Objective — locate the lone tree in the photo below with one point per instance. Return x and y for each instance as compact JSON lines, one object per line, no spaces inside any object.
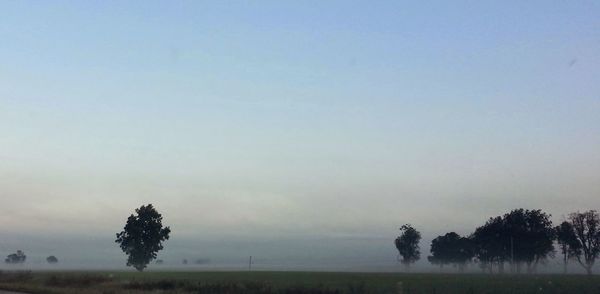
{"x":142,"y":236}
{"x":408,"y":245}
{"x":16,"y":258}
{"x":567,"y":241}
{"x":52,"y":259}
{"x":586,"y":226}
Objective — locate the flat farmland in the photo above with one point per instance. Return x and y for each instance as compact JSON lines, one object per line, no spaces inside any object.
{"x":105,"y":282}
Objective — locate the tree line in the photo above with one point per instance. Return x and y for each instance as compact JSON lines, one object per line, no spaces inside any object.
{"x":520,"y":239}
{"x":19,"y":257}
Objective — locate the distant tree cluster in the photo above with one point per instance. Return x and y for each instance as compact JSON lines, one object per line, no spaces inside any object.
{"x":19,"y":258}
{"x":16,"y":258}
{"x":451,"y":249}
{"x":521,"y":239}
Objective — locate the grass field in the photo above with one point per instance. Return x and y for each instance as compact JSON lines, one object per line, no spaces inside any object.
{"x":290,"y":283}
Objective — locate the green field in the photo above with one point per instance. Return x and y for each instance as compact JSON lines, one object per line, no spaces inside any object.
{"x":291,"y":282}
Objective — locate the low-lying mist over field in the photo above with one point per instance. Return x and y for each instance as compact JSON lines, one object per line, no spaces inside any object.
{"x":268,"y":253}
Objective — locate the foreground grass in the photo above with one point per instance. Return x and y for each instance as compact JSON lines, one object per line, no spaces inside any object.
{"x":290,"y":283}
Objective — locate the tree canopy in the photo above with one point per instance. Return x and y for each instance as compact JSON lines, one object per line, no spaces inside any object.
{"x":451,"y":248}
{"x":520,"y":236}
{"x":489,"y":249}
{"x":143,"y":236}
{"x":567,"y":241}
{"x":51,"y":259}
{"x":408,"y":245}
{"x":16,"y":258}
{"x":586,"y":228}
{"x":529,"y":236}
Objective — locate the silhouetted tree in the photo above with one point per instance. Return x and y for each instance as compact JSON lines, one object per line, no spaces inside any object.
{"x":586,"y":226}
{"x":184,"y":261}
{"x":520,"y":236}
{"x":488,"y":245}
{"x":16,"y":258}
{"x":441,"y":249}
{"x":52,"y":259}
{"x":529,"y":237}
{"x":142,"y":236}
{"x":567,"y":241}
{"x":408,"y":245}
{"x":451,"y":248}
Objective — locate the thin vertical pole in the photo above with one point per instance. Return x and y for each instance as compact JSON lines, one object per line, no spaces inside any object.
{"x":250,"y":263}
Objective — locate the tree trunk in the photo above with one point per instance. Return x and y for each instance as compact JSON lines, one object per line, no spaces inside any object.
{"x":586,"y":265}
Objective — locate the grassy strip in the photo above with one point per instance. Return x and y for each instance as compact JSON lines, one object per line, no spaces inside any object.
{"x":291,"y":283}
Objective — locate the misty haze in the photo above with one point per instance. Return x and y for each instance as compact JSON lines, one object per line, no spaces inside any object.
{"x":299,"y":147}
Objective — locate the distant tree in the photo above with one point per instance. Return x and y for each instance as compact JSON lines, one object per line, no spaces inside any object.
{"x":441,"y":248}
{"x":586,"y":226}
{"x":520,"y":236}
{"x":528,"y":236}
{"x":489,"y":247}
{"x":159,"y":261}
{"x":567,"y":241}
{"x":453,"y":249}
{"x":142,"y":237}
{"x":16,"y":258}
{"x":52,"y":259}
{"x":408,"y":245}
{"x":184,"y":261}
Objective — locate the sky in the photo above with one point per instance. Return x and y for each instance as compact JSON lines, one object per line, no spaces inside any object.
{"x":291,"y":130}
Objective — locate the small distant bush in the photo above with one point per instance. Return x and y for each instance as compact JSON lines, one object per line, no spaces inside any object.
{"x":52,"y":259}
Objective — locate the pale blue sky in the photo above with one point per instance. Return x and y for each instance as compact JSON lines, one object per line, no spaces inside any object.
{"x":295,"y":119}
